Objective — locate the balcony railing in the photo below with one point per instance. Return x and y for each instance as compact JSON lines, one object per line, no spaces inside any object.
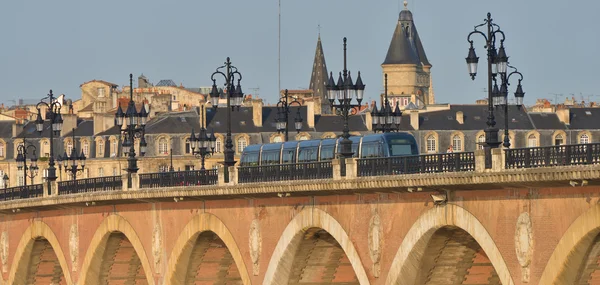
{"x":179,"y":178}
{"x":284,"y":172}
{"x":107,"y":183}
{"x":428,"y":163}
{"x":22,"y":192}
{"x":548,"y":156}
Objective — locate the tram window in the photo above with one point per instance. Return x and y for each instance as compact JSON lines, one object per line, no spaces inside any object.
{"x":327,"y":152}
{"x":400,"y":149}
{"x":270,"y":157}
{"x":307,"y":155}
{"x":250,"y":159}
{"x":371,"y":150}
{"x":289,"y":156}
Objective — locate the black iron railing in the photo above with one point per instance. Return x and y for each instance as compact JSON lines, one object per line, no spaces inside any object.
{"x":22,"y":192}
{"x":576,"y":154}
{"x":98,"y":184}
{"x":428,"y":163}
{"x":281,"y":172}
{"x":179,"y":178}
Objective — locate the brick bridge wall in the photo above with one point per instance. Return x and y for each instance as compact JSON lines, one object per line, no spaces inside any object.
{"x":546,"y":235}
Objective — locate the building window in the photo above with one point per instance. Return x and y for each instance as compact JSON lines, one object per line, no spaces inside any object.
{"x":163,"y":168}
{"x":2,"y":150}
{"x":277,"y":139}
{"x":584,"y":138}
{"x":457,"y":143}
{"x":302,"y":138}
{"x":113,"y":148}
{"x":46,"y":149}
{"x":404,"y":101}
{"x":559,"y":140}
{"x":241,"y":144}
{"x":163,"y":147}
{"x":188,"y":146}
{"x":100,"y":172}
{"x":532,"y":141}
{"x":100,"y":92}
{"x":480,"y":141}
{"x":114,"y":171}
{"x":100,"y":148}
{"x":431,"y":143}
{"x":2,"y":180}
{"x":69,"y":147}
{"x":86,"y":148}
{"x":218,"y":145}
{"x":21,"y":180}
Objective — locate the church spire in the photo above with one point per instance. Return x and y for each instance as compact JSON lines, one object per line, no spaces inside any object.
{"x":318,"y":79}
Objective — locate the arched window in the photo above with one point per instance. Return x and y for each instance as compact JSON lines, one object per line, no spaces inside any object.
{"x":219,"y":145}
{"x":113,"y":148}
{"x":46,"y":149}
{"x":100,"y":148}
{"x":2,"y":180}
{"x":69,"y":147}
{"x":457,"y":143}
{"x":559,"y":140}
{"x":2,"y":151}
{"x":532,"y":141}
{"x":163,"y":147}
{"x":86,"y":148}
{"x":241,"y":144}
{"x":480,"y":141}
{"x":277,"y":139}
{"x":302,"y":138}
{"x":431,"y":143}
{"x":584,"y":138}
{"x":188,"y":146}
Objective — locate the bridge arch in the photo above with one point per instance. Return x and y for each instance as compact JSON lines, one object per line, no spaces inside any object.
{"x":282,"y":258}
{"x":569,"y":254}
{"x":180,"y":254}
{"x":38,"y":229}
{"x":408,"y":258}
{"x":113,"y":224}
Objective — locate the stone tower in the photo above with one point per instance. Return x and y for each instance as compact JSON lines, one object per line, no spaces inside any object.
{"x":409,"y":71}
{"x":318,"y":79}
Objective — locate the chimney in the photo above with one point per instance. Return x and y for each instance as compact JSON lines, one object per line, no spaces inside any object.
{"x":310,"y":114}
{"x":414,"y":119}
{"x":460,"y":118}
{"x":103,"y":122}
{"x":69,"y":123}
{"x":17,"y":128}
{"x":369,"y":121}
{"x":257,"y":106}
{"x":564,"y":115}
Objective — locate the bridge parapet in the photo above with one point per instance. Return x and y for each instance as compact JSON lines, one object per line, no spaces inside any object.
{"x":430,"y":172}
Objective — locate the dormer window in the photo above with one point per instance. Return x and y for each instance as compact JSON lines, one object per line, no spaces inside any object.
{"x":101,"y":92}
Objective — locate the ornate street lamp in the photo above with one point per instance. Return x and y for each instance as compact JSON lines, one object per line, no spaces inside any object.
{"x":345,"y":91}
{"x":283,"y":109}
{"x":72,"y":162}
{"x":502,"y":99}
{"x":497,"y":63}
{"x":235,"y":96}
{"x":30,"y":170}
{"x":385,"y":120}
{"x":53,"y":115}
{"x":203,"y":145}
{"x":135,"y":126}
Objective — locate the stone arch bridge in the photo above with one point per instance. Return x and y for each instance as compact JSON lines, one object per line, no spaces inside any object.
{"x":510,"y":226}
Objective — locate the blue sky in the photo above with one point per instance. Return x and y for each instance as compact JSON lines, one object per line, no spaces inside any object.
{"x":60,"y":44}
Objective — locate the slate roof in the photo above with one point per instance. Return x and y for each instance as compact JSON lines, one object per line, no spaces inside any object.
{"x":6,"y":129}
{"x":546,"y":121}
{"x":270,"y":115}
{"x":174,"y":123}
{"x":334,"y":123}
{"x":241,"y":121}
{"x":474,"y":117}
{"x":84,"y":129}
{"x":318,"y":79}
{"x":584,"y":118}
{"x":406,"y":46}
{"x":29,"y":130}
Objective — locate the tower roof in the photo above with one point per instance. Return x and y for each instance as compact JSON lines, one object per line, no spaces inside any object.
{"x":318,"y":78}
{"x":406,"y":46}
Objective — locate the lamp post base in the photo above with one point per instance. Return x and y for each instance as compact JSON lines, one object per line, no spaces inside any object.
{"x":491,"y":141}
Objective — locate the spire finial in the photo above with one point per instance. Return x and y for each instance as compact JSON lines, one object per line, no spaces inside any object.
{"x":319,"y":30}
{"x":405,"y":5}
